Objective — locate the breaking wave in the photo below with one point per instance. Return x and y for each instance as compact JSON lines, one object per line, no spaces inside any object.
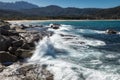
{"x":70,"y":57}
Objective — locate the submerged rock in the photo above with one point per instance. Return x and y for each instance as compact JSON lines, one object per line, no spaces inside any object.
{"x":110,"y":31}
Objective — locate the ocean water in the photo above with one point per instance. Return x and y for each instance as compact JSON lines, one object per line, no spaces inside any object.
{"x":80,"y":50}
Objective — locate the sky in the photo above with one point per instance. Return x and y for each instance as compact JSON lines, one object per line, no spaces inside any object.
{"x":74,"y":3}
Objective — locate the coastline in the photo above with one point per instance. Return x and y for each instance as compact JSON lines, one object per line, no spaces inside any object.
{"x":20,"y":21}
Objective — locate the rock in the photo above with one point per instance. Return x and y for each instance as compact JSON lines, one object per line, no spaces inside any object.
{"x":25,"y":71}
{"x":14,"y":46}
{"x":2,"y":67}
{"x":17,"y":43}
{"x":7,"y":57}
{"x":64,"y":35}
{"x":55,"y":26}
{"x":15,"y":38}
{"x":8,"y":33}
{"x":4,"y":25}
{"x":25,"y":46}
{"x":5,"y":43}
{"x":12,"y":50}
{"x":110,"y":31}
{"x":31,"y":38}
{"x":22,"y":53}
{"x":23,"y":26}
{"x":18,"y":27}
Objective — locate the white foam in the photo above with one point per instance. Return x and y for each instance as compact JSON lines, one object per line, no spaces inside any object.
{"x":64,"y":68}
{"x":89,"y":31}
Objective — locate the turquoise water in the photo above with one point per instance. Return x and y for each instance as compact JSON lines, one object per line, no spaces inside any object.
{"x":96,"y":25}
{"x":85,"y":52}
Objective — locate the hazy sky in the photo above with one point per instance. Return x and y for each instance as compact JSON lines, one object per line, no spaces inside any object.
{"x":74,"y":3}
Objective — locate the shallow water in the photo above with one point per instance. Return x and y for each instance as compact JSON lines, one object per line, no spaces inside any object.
{"x":81,"y":50}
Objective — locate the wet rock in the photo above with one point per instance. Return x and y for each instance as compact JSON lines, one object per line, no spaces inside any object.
{"x":5,"y":43}
{"x":110,"y":31}
{"x":22,"y":53}
{"x":4,"y":25}
{"x":24,"y":71}
{"x":25,"y":46}
{"x":2,"y":67}
{"x":31,"y":38}
{"x":18,"y":27}
{"x":12,"y":50}
{"x":17,"y":43}
{"x":7,"y":57}
{"x":23,"y":26}
{"x":8,"y":33}
{"x":55,"y":26}
{"x":66,"y":35}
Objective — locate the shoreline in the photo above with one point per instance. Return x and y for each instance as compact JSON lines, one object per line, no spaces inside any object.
{"x":56,"y":20}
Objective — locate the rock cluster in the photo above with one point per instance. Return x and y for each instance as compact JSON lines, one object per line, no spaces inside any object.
{"x":25,"y":71}
{"x":16,"y":42}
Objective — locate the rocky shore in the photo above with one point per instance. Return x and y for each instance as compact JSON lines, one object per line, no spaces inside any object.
{"x":17,"y":43}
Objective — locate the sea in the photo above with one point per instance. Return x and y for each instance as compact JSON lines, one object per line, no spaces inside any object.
{"x":80,"y":50}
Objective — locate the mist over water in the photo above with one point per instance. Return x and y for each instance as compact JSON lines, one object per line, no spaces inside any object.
{"x":76,"y":53}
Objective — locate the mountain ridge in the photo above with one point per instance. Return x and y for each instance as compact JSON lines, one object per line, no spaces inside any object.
{"x":17,"y":5}
{"x":56,"y":12}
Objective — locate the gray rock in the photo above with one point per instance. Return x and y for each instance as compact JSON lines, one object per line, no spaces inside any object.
{"x":110,"y":31}
{"x":25,"y":46}
{"x":31,"y":38}
{"x":24,"y":71}
{"x":4,"y":25}
{"x":7,"y":57}
{"x":5,"y":43}
{"x":12,"y":50}
{"x":2,"y":67}
{"x":8,"y":33}
{"x":17,"y":43}
{"x":55,"y":26}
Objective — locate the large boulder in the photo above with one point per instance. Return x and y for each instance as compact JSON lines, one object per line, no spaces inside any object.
{"x":4,"y":25}
{"x":5,"y":43}
{"x":31,"y":38}
{"x":8,"y":33}
{"x":7,"y":57}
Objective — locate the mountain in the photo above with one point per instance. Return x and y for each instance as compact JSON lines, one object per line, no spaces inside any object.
{"x":74,"y":13}
{"x":17,"y":5}
{"x":53,"y":10}
{"x":10,"y":14}
{"x":25,"y":10}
